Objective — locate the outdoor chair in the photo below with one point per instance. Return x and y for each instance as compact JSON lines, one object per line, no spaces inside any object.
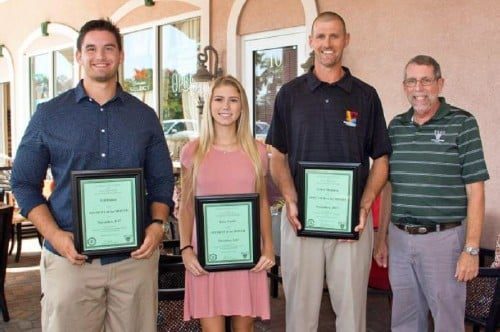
{"x":4,"y":183}
{"x":5,"y":227}
{"x":482,"y":307}
{"x":22,"y":229}
{"x":171,"y":273}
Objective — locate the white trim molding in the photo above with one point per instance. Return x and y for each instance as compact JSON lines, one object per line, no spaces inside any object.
{"x":7,"y":59}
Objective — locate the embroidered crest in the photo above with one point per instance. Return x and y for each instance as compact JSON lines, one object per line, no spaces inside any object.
{"x":437,"y":136}
{"x":351,"y":118}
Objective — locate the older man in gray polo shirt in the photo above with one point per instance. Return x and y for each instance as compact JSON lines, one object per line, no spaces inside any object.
{"x":437,"y":174}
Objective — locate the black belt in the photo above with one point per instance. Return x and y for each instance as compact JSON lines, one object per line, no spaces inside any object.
{"x":424,"y":229}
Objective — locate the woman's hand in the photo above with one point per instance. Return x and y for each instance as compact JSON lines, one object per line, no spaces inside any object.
{"x":191,"y":262}
{"x":266,"y":261}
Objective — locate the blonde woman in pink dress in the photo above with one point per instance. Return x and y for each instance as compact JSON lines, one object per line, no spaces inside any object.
{"x":225,"y":159}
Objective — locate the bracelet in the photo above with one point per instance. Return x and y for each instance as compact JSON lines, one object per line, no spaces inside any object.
{"x":185,"y":247}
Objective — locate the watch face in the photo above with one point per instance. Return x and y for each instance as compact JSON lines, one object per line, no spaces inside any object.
{"x":472,"y":251}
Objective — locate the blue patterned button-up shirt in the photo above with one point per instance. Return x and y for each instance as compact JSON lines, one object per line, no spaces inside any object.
{"x":73,"y":132}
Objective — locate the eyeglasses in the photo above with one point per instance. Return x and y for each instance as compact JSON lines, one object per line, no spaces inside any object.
{"x":425,"y":81}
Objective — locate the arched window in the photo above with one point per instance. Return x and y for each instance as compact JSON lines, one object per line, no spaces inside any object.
{"x":49,"y":57}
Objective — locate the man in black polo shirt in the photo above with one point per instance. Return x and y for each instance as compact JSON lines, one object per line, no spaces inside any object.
{"x":327,"y":115}
{"x":437,"y":177}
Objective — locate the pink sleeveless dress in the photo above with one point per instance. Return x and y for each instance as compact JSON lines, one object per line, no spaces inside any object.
{"x":226,"y":293}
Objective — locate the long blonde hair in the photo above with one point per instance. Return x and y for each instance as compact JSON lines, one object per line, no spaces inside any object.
{"x":243,"y":134}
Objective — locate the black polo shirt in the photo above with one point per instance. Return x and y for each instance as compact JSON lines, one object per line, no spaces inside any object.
{"x":322,"y":122}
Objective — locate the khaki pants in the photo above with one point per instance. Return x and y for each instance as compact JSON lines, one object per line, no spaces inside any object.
{"x":306,"y":261}
{"x":119,"y":296}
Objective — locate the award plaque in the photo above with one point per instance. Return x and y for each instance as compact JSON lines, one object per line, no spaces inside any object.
{"x":228,"y":231}
{"x":108,"y":210}
{"x":328,"y":203}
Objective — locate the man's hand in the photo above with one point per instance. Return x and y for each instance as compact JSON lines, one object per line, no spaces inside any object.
{"x":292,"y":213}
{"x":380,"y":252}
{"x":363,"y":215}
{"x":467,"y":267}
{"x":152,"y":240}
{"x":64,"y":244}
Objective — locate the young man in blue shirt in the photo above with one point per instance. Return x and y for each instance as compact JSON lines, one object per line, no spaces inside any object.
{"x":94,"y":126}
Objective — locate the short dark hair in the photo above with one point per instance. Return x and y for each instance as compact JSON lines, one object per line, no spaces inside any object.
{"x":328,"y":16}
{"x":101,"y":25}
{"x":426,"y":60}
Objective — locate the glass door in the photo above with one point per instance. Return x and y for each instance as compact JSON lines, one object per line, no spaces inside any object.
{"x":270,"y":60}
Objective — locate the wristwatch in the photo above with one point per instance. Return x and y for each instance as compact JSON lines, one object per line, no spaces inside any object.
{"x":158,"y":221}
{"x":163,"y":225}
{"x":471,"y":250}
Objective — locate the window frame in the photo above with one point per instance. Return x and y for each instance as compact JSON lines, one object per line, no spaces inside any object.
{"x":52,"y":67}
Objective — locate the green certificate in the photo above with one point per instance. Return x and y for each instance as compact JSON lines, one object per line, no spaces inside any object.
{"x":108,"y":211}
{"x":328,"y":200}
{"x":328,"y":195}
{"x":228,"y":231}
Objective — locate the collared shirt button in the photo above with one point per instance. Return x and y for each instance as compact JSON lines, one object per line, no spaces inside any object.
{"x":102,"y":109}
{"x":103,"y":155}
{"x":327,"y":101}
{"x":90,"y":99}
{"x":103,"y":130}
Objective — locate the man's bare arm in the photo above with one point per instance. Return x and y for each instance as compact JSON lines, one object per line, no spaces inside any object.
{"x":282,"y":177}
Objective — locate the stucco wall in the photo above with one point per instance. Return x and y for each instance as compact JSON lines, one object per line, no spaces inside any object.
{"x":219,"y":12}
{"x":18,"y":18}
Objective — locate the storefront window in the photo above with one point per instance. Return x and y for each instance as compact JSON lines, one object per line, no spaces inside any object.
{"x":180,"y":42}
{"x":63,"y":66}
{"x":158,"y":66}
{"x":139,"y":48}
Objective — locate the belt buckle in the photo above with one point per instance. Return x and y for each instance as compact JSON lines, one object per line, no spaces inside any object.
{"x":422,"y":230}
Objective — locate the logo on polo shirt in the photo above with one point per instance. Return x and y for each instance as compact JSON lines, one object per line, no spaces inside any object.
{"x":437,"y":136}
{"x":351,"y":118}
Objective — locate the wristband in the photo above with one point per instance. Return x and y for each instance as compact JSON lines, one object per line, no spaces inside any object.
{"x":185,"y":247}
